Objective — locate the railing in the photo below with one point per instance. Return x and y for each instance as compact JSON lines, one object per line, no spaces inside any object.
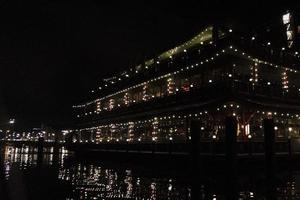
{"x":271,"y":91}
{"x":207,"y":147}
{"x":212,"y":90}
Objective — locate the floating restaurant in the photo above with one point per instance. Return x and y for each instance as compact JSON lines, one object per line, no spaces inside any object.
{"x":220,"y":72}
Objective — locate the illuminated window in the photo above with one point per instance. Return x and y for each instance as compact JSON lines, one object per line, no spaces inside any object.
{"x":286,"y":18}
{"x":289,"y":35}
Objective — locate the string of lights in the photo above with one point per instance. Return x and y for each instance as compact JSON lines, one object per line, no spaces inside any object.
{"x":228,"y":50}
{"x":199,"y":39}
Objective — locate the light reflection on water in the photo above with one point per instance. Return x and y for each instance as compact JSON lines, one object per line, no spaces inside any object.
{"x":93,"y":180}
{"x":27,"y":156}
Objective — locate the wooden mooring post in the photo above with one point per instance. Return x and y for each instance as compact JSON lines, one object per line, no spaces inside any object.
{"x":231,"y":141}
{"x":56,"y":150}
{"x":269,"y":140}
{"x":195,"y":158}
{"x":40,"y":150}
{"x":290,"y":147}
{"x":231,"y":156}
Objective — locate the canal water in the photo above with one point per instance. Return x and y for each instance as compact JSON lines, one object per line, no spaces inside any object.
{"x":26,"y":175}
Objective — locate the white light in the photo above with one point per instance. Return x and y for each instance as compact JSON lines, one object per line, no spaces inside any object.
{"x":230,"y":30}
{"x":290,"y":129}
{"x":269,"y":83}
{"x":253,"y":38}
{"x":286,"y":18}
{"x":249,"y":136}
{"x":210,"y":81}
{"x":11,"y":121}
{"x":275,"y":128}
{"x":282,"y":48}
{"x":269,"y":43}
{"x":214,"y":136}
{"x":171,"y":138}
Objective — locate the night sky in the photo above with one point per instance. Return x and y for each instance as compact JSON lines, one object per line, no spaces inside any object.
{"x":52,"y":54}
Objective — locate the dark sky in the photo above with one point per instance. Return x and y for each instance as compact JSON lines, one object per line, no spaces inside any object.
{"x":52,"y":53}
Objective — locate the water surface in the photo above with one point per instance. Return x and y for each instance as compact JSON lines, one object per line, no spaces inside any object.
{"x":56,"y":175}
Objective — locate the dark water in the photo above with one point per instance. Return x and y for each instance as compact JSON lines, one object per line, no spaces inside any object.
{"x":58,"y":176}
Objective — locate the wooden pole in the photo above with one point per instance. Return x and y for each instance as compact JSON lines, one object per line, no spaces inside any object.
{"x":231,"y":154}
{"x":269,"y":140}
{"x":230,"y":140}
{"x":290,"y":147}
{"x":195,"y":158}
{"x":40,"y":150}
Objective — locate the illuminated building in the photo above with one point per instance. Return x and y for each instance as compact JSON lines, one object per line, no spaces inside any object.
{"x":220,"y":72}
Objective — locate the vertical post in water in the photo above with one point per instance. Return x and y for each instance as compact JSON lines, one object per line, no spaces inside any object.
{"x":269,"y":137}
{"x":250,"y":146}
{"x":195,"y":143}
{"x":56,"y":150}
{"x":127,"y":146}
{"x":230,"y":140}
{"x":195,"y":157}
{"x":170,"y":145}
{"x":231,"y":154}
{"x":290,"y":147}
{"x":40,"y":149}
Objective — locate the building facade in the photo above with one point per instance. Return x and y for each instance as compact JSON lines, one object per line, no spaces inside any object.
{"x":220,"y":72}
